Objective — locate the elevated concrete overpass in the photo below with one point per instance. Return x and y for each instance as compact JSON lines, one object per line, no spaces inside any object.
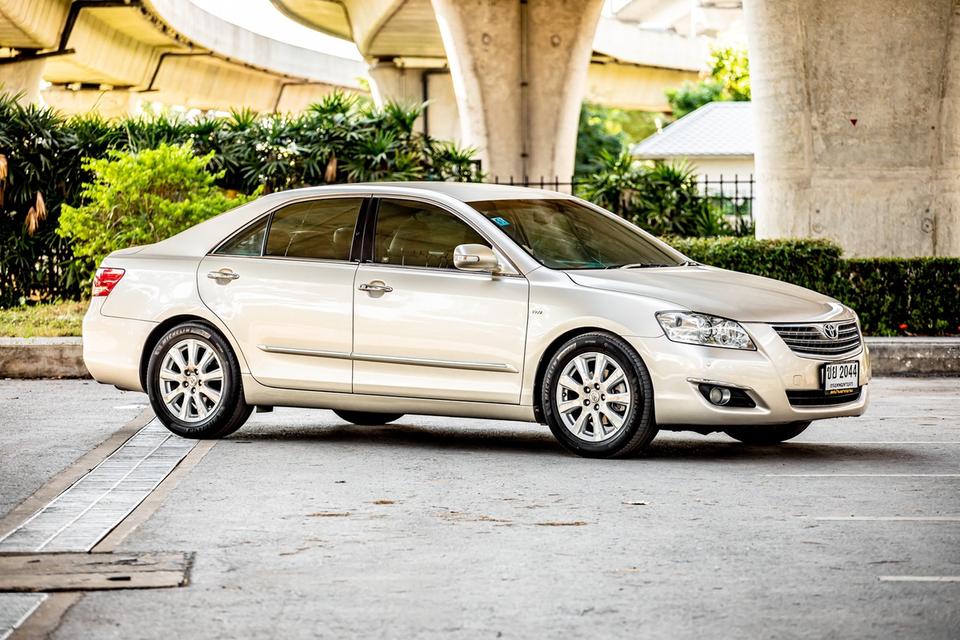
{"x":505,"y":76}
{"x":112,"y":53}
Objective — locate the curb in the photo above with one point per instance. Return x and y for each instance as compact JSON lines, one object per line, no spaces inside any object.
{"x":42,"y":358}
{"x":63,"y":357}
{"x":914,"y":356}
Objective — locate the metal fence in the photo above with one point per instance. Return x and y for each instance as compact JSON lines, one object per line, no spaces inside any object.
{"x":731,"y":195}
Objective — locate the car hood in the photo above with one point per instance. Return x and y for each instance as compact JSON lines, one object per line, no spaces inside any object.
{"x":738,"y":296}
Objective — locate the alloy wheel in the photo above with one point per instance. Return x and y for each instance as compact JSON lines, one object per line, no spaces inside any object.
{"x":593,"y":397}
{"x":191,"y":380}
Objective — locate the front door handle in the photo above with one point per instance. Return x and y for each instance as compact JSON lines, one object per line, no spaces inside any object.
{"x":375,"y":287}
{"x":223,"y":274}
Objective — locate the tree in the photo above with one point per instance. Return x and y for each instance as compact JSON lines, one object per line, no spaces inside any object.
{"x":728,"y":79}
{"x":608,"y":130}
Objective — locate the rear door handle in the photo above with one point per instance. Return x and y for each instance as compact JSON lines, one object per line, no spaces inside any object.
{"x":223,"y":274}
{"x":376,"y":287}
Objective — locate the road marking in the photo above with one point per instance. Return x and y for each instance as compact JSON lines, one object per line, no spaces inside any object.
{"x":861,"y":475}
{"x":15,"y":608}
{"x":883,"y":442}
{"x":919,"y":578}
{"x":890,"y":518}
{"x":81,"y":516}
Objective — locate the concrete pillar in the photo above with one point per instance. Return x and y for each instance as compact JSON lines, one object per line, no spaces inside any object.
{"x":519,"y":73}
{"x":857,"y":123}
{"x":22,"y":77}
{"x":414,"y":85}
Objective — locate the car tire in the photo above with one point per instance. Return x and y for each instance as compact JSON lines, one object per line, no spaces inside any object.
{"x":596,"y":426}
{"x":198,"y":362}
{"x":767,"y":435}
{"x":367,"y":418}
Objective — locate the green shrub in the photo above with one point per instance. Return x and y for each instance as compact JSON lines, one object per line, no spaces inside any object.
{"x":140,"y":198}
{"x":893,"y":296}
{"x":905,"y":295}
{"x":814,"y":264}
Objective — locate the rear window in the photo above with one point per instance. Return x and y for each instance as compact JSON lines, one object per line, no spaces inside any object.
{"x":248,"y":242}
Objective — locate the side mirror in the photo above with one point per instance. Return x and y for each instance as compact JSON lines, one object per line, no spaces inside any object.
{"x":475,"y":257}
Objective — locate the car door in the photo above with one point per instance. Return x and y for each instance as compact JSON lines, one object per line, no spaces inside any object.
{"x":284,"y":288}
{"x":425,"y":329}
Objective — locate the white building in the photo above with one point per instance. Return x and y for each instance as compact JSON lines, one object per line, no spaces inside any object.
{"x":716,"y":139}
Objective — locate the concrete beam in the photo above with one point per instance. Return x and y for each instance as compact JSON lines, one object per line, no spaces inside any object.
{"x":633,"y":87}
{"x":857,"y":120}
{"x":32,"y":24}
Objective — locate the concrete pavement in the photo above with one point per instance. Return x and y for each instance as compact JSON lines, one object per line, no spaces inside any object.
{"x":435,"y":527}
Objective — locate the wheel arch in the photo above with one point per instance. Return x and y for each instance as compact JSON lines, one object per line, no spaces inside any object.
{"x":154,"y":337}
{"x":547,"y":355}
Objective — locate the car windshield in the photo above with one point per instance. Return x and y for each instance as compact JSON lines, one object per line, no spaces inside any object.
{"x":565,"y":234}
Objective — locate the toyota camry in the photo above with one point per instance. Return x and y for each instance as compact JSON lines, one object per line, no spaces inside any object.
{"x":472,"y":300}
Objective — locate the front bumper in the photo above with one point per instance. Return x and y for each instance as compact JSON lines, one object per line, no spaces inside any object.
{"x":766,"y":374}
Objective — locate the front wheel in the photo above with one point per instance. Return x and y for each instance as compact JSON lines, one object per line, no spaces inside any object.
{"x":773,"y":434}
{"x":367,"y":417}
{"x":597,"y":397}
{"x":193,"y":381}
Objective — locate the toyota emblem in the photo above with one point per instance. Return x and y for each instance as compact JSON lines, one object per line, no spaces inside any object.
{"x":831,"y":331}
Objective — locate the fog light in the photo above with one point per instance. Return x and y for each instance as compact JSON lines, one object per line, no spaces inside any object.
{"x":719,"y":396}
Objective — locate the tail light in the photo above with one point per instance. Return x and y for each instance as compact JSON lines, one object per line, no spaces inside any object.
{"x":105,"y":280}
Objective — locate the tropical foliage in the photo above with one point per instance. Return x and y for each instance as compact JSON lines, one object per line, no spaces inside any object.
{"x":609,"y":129}
{"x":343,"y":138}
{"x":662,"y":198}
{"x":727,"y":79}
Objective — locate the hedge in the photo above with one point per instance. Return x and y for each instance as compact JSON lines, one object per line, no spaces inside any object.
{"x":893,"y":296}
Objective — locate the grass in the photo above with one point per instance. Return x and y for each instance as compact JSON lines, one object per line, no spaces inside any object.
{"x":43,"y":320}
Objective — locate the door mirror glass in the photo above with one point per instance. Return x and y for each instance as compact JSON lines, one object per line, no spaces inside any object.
{"x":475,"y":257}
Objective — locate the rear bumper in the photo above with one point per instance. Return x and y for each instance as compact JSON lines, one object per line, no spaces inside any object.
{"x":765,"y":374}
{"x":112,"y":347}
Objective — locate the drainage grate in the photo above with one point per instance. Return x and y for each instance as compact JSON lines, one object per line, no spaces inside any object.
{"x":15,"y":608}
{"x":81,"y":516}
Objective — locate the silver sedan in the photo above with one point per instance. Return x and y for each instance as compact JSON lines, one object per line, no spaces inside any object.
{"x":377,"y":300}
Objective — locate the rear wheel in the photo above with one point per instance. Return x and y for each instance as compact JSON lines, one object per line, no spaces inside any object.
{"x":774,"y":434}
{"x":597,"y":397}
{"x":367,"y":417}
{"x":194,"y":385}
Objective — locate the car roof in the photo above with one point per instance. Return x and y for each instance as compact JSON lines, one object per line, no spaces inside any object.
{"x":463,"y":191}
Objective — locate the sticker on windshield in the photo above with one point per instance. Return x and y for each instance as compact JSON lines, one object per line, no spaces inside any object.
{"x":501,"y":222}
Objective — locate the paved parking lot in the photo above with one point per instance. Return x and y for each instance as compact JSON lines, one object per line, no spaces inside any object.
{"x":437,"y":527}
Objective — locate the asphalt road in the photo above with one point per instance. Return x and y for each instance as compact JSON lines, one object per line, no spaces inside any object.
{"x":439,"y":528}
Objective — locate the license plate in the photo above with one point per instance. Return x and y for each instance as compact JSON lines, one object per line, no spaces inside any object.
{"x":841,"y":377}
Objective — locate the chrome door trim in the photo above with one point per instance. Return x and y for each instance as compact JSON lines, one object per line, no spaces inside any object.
{"x":368,"y":357}
{"x":294,"y":351}
{"x":429,"y":362}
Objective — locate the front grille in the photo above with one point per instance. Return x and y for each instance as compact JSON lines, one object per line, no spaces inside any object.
{"x":820,"y":398}
{"x":811,"y":339}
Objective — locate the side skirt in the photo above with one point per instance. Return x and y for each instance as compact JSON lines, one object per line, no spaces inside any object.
{"x":258,"y":394}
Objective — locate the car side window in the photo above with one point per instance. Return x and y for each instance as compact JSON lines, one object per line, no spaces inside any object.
{"x":317,"y":229}
{"x":416,"y":234}
{"x":248,"y":242}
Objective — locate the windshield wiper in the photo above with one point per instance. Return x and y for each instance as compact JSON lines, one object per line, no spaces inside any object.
{"x":642,"y":265}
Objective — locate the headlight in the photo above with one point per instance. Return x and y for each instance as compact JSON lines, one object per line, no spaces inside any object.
{"x":699,"y":328}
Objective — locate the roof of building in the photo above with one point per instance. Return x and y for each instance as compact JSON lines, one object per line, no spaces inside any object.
{"x":715,"y":129}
